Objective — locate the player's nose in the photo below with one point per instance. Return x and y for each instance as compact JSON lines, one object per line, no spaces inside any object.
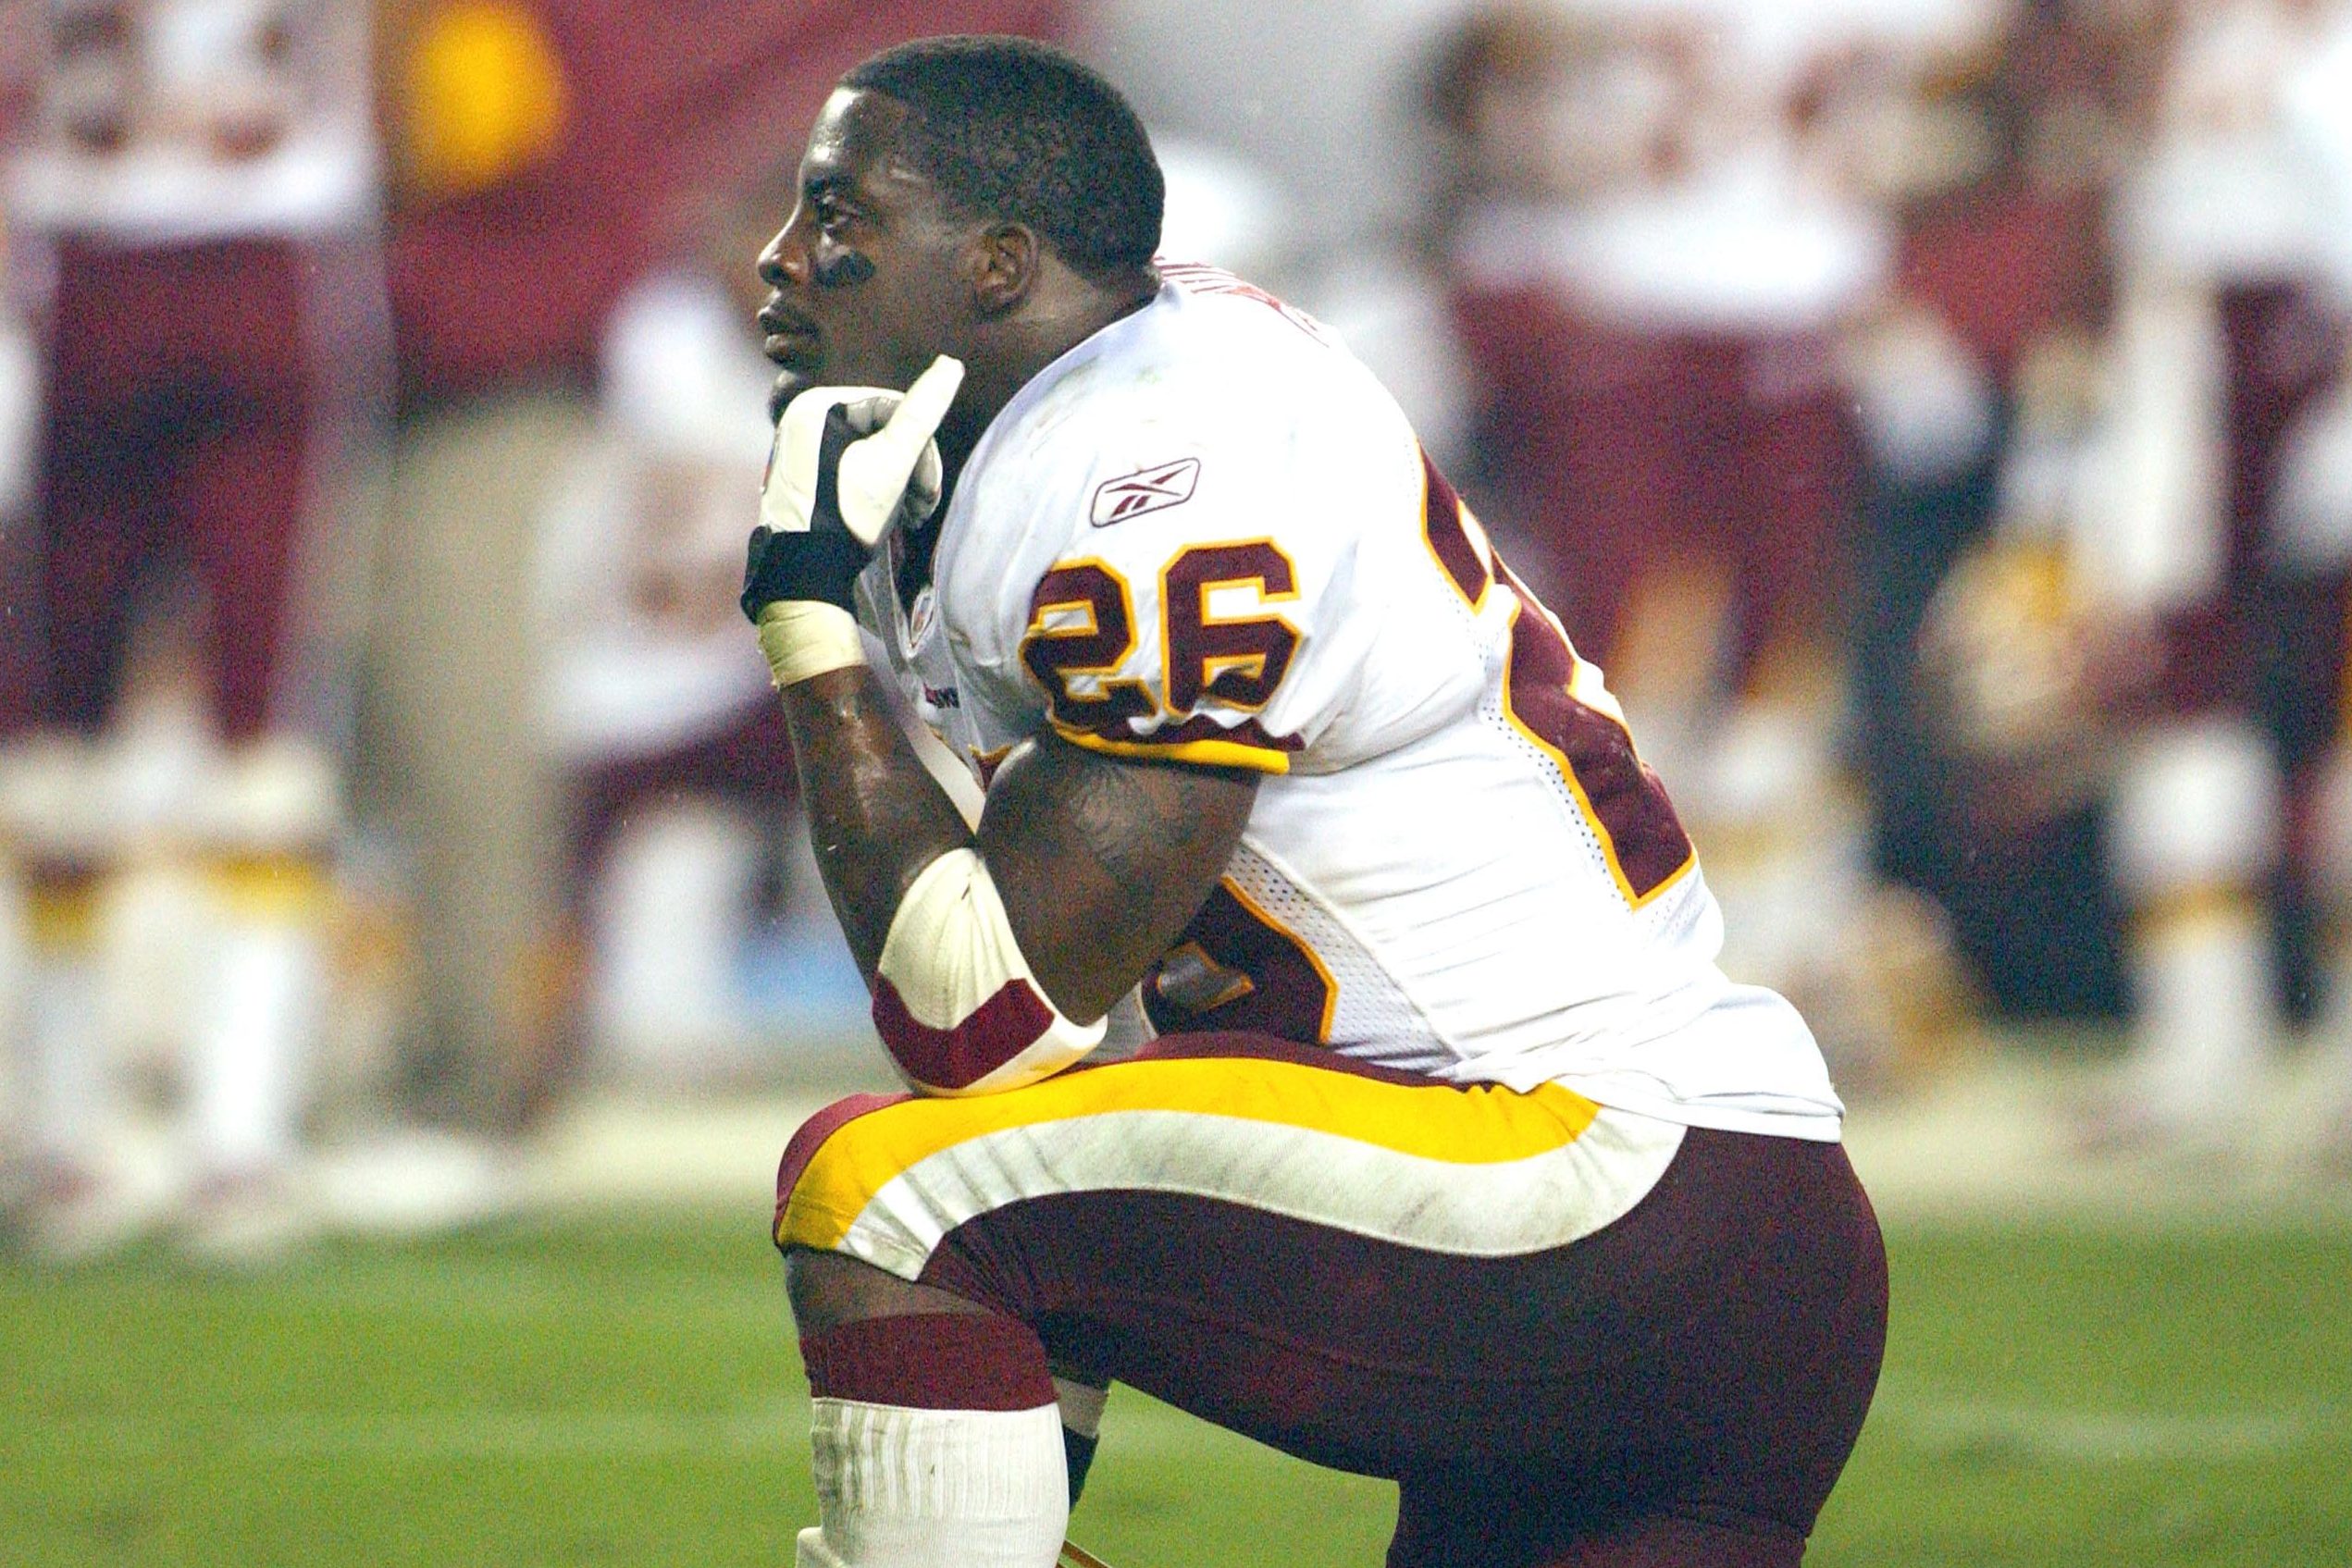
{"x":785,"y":261}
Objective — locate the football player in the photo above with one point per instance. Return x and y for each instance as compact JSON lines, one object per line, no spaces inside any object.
{"x":203,"y":174}
{"x":2153,"y":624}
{"x":1320,"y":1029}
{"x":681,"y":772}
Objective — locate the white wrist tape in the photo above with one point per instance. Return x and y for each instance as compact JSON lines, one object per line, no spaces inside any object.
{"x":953,"y":998}
{"x":804,"y":638}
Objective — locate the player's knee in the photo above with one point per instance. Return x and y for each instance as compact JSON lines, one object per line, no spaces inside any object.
{"x":839,"y":1269}
{"x":829,"y":1289}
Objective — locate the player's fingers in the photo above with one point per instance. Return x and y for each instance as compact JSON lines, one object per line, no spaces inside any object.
{"x":899,"y":459}
{"x":914,"y":420}
{"x":788,"y":494}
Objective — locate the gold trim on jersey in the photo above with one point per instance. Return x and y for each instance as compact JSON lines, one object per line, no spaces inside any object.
{"x":1471,"y":532}
{"x":986,"y":760}
{"x":1259,"y":913}
{"x":1208,"y":753}
{"x":1585,"y":688}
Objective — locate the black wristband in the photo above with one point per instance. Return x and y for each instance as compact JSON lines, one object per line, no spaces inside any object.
{"x":821,"y":564}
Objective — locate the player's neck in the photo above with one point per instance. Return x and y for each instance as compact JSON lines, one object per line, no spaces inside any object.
{"x":1060,"y":311}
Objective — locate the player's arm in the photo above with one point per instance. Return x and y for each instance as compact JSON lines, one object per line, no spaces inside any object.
{"x":993,"y":957}
{"x":1098,"y":861}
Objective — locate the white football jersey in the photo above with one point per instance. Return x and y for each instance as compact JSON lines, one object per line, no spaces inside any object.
{"x":167,"y":120}
{"x":1207,"y":534}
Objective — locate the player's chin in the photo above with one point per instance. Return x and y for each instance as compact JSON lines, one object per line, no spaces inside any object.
{"x":790,"y":384}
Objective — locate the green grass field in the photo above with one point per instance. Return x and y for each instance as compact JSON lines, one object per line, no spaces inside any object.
{"x":625,"y":1391}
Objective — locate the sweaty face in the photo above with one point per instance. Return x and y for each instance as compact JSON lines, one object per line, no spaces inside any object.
{"x":866,"y":277}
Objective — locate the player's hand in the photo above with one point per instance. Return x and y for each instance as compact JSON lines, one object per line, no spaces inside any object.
{"x":850,"y":464}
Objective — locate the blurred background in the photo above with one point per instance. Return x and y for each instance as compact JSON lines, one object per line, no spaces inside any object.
{"x":1930,"y":412}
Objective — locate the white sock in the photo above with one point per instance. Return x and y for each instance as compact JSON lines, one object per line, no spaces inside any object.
{"x":2206,"y":1015}
{"x":899,"y":1487}
{"x":250,"y":1051}
{"x":67,"y":1077}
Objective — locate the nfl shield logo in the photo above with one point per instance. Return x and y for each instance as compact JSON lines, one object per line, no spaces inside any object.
{"x":922,"y":619}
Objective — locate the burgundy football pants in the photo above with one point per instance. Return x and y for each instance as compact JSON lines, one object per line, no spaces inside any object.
{"x":1680,"y":1386}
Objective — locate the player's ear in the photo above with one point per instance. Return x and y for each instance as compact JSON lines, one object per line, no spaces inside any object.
{"x":1005,"y":256}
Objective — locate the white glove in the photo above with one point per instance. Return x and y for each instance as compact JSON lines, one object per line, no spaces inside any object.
{"x":850,"y":464}
{"x":888,"y":473}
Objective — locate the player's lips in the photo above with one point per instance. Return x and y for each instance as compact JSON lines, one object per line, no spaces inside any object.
{"x":789,"y":348}
{"x":790,"y":339}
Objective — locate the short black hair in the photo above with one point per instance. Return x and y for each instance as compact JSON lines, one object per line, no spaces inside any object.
{"x":1016,"y":129}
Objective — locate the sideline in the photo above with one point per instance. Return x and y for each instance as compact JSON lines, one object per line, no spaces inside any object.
{"x":2092,"y":1436}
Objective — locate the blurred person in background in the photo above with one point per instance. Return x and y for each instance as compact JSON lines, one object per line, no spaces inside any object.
{"x":1999,"y":267}
{"x":1664,"y":237}
{"x":198,"y":179}
{"x":2312,"y":560}
{"x":2140,"y":629}
{"x":491,"y":172}
{"x":547,"y":157}
{"x":1999,"y":264}
{"x":1651,"y":280}
{"x":683,"y":824}
{"x":20,"y":416}
{"x":2244,"y":202}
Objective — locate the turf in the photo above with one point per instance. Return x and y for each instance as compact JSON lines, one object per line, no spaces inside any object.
{"x":624,"y":1390}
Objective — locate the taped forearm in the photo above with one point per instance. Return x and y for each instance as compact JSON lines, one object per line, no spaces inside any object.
{"x":806,"y":638}
{"x":953,"y":998}
{"x":877,"y":816}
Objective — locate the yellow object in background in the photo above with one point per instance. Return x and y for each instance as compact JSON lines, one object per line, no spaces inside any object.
{"x":482,"y":96}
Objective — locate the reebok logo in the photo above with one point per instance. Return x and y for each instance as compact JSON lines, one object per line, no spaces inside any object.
{"x":1152,"y":489}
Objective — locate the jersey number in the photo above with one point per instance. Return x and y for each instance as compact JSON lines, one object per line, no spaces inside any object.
{"x":1558,"y":700}
{"x":1236,"y":968}
{"x":1082,"y":628}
